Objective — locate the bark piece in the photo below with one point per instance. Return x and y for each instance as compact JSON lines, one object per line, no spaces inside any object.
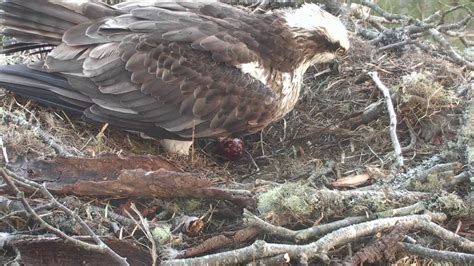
{"x":51,"y":250}
{"x":70,"y":170}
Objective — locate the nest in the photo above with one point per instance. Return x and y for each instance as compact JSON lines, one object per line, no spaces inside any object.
{"x":328,"y":136}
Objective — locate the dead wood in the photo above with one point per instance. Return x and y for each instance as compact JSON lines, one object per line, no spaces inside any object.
{"x":151,"y":184}
{"x":323,"y":229}
{"x":72,"y":169}
{"x":278,"y":260}
{"x":51,"y":250}
{"x":409,"y":32}
{"x":113,"y":177}
{"x":312,"y":251}
{"x":221,"y":241}
{"x":383,"y":248}
{"x":458,"y":258}
{"x":393,"y":119}
{"x":99,"y":247}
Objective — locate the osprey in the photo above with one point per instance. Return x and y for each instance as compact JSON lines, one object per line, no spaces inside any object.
{"x":170,"y":70}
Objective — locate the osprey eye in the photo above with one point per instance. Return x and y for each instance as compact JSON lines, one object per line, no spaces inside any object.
{"x":341,"y":51}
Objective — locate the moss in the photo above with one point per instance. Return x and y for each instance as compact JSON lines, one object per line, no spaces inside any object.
{"x":291,"y":197}
{"x":434,"y":182}
{"x":452,"y":205}
{"x":162,"y":234}
{"x":188,"y":206}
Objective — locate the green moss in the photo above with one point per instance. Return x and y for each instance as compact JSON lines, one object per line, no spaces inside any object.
{"x":452,"y":205}
{"x":291,"y":197}
{"x":433,"y":182}
{"x":161,"y":234}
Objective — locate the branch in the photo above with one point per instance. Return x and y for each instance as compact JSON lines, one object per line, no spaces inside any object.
{"x":451,"y":256}
{"x":317,"y":249}
{"x":422,"y":175}
{"x":412,"y":27}
{"x":48,"y":249}
{"x":101,"y":247}
{"x":319,"y":230}
{"x":447,"y":235}
{"x":220,"y":241}
{"x":457,"y":58}
{"x":393,"y":118}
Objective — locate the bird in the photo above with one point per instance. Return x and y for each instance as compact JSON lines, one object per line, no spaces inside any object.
{"x":174,"y":71}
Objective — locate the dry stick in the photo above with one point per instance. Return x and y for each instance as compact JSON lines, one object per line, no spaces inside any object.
{"x":447,"y":235}
{"x":456,"y":257}
{"x":44,"y":136}
{"x":317,"y":249}
{"x":423,"y":175}
{"x":21,"y":212}
{"x":460,"y":178}
{"x":412,"y":143}
{"x":393,"y":118}
{"x":394,"y":45}
{"x":312,"y":232}
{"x":281,"y":259}
{"x":101,"y":247}
{"x":4,"y":150}
{"x":145,"y":227}
{"x":221,"y":241}
{"x":422,"y":26}
{"x":458,"y":59}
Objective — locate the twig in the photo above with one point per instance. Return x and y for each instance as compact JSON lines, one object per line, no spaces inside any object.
{"x":458,"y":59}
{"x":383,"y":13}
{"x":317,"y":249}
{"x":20,"y":212}
{"x":393,"y":118}
{"x":221,"y":241}
{"x":447,"y":235}
{"x":278,"y":260}
{"x":109,"y":213}
{"x":145,"y":227}
{"x":394,"y":45}
{"x":451,"y":256}
{"x":101,"y":247}
{"x":44,"y":136}
{"x":319,"y":230}
{"x":460,"y":178}
{"x":4,"y":150}
{"x":412,"y":143}
{"x":423,"y":175}
{"x":419,"y":26}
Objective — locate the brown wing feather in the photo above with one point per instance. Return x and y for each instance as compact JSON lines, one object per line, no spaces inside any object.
{"x":170,"y":70}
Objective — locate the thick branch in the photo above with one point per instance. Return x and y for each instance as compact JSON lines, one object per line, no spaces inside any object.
{"x":317,"y":249}
{"x":319,"y":230}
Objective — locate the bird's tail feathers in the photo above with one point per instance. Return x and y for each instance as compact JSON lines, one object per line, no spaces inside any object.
{"x":47,"y":88}
{"x":45,"y":21}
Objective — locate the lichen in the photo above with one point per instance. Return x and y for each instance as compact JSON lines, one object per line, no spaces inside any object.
{"x":291,"y":197}
{"x":162,"y":234}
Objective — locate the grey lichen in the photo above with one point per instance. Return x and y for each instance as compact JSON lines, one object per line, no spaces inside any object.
{"x":291,"y":197}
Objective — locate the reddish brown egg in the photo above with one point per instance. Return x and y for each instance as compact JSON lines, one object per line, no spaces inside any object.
{"x":231,"y":148}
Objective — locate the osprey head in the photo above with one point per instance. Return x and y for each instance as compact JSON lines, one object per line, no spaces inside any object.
{"x":319,"y":32}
